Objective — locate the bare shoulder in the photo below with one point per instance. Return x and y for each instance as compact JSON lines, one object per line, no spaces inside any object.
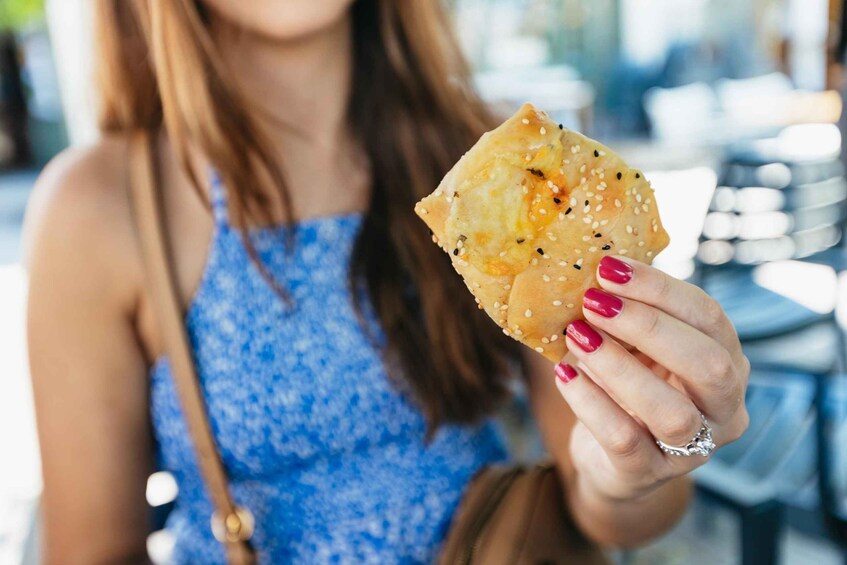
{"x":79,"y":218}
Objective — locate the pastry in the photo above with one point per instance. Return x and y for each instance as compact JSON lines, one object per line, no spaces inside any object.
{"x":526,"y":215}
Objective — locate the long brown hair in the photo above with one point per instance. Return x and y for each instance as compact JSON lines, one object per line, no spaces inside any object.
{"x":414,"y":113}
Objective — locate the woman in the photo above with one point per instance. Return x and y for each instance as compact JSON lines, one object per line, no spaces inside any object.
{"x":347,"y":373}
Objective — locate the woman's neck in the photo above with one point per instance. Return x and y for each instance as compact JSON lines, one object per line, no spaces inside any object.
{"x":300,"y":87}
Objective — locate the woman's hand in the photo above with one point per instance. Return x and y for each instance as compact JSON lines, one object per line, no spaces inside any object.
{"x":683,"y":358}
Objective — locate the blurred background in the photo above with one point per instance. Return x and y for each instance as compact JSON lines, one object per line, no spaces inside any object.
{"x":733,"y":107}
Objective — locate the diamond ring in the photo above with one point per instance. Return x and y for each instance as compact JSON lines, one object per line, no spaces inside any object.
{"x":701,"y":444}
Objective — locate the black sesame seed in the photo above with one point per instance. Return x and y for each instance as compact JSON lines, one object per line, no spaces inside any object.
{"x":620,"y":176}
{"x":565,"y":331}
{"x":568,"y":211}
{"x":561,"y":126}
{"x":521,"y":240}
{"x":606,"y":247}
{"x":456,"y":251}
{"x":577,"y":267}
{"x":536,"y":172}
{"x":586,"y":202}
{"x":596,"y":153}
{"x":540,"y":251}
{"x":598,"y":235}
{"x":556,"y":200}
{"x":638,"y":175}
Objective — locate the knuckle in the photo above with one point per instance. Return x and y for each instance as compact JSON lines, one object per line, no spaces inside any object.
{"x":664,"y":287}
{"x":622,"y":366}
{"x":679,"y":426}
{"x":624,"y":442}
{"x":652,"y":322}
{"x":713,"y":315}
{"x":740,"y":425}
{"x":719,"y":368}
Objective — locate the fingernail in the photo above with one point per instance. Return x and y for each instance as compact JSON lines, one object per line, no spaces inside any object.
{"x":566,"y":373}
{"x":601,"y":302}
{"x":585,"y":336}
{"x":615,"y":270}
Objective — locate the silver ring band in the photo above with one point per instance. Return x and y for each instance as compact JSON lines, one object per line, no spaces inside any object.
{"x":701,"y":444}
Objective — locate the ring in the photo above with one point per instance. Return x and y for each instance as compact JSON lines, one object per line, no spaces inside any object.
{"x":701,"y":444}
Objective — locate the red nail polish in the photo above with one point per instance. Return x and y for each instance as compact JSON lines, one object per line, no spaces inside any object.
{"x":585,"y":336}
{"x":615,"y":270}
{"x":566,"y":373}
{"x":603,"y":303}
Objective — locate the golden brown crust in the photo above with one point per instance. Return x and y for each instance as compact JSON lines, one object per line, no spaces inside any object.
{"x":527,"y":214}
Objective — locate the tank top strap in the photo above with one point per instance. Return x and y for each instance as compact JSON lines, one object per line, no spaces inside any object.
{"x":218,"y":197}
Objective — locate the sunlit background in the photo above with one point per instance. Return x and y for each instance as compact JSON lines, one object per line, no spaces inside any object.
{"x":731,"y":106}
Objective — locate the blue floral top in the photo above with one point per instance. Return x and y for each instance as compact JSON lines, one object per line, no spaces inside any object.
{"x":325,"y":450}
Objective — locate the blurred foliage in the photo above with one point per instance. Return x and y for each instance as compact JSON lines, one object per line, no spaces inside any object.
{"x":16,"y":13}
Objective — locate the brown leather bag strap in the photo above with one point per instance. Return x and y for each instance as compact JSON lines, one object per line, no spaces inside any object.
{"x":232,"y":525}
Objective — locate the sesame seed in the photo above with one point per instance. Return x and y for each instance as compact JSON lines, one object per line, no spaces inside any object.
{"x":585,"y":238}
{"x":563,"y":263}
{"x":562,"y":279}
{"x":528,"y":157}
{"x":449,"y":199}
{"x":554,"y":337}
{"x":502,"y":254}
{"x":528,"y":313}
{"x":595,"y":225}
{"x":570,"y":306}
{"x":589,"y":194}
{"x":534,"y":261}
{"x":587,"y":219}
{"x":582,"y":169}
{"x":476,"y":285}
{"x":617,"y":203}
{"x":463,"y":263}
{"x":507,"y":286}
{"x":648,"y":201}
{"x":640,"y":244}
{"x":557,"y":303}
{"x":545,"y":278}
{"x":525,"y":121}
{"x":539,"y":349}
{"x":496,"y":304}
{"x":550,"y":183}
{"x":545,"y":340}
{"x":543,"y":130}
{"x":437,"y":192}
{"x":638,"y":198}
{"x":424,"y":212}
{"x":623,"y":251}
{"x":604,"y":222}
{"x":592,"y":249}
{"x":598,"y":208}
{"x":524,"y":189}
{"x":542,"y":211}
{"x":561,"y":216}
{"x":506,"y":332}
{"x":637,"y":211}
{"x":655,"y":228}
{"x":573,"y":202}
{"x":435,"y":239}
{"x":579,"y":261}
{"x":587,"y":208}
{"x":518,"y":332}
{"x":649,"y":254}
{"x":604,"y":185}
{"x":628,"y":229}
{"x":645,"y":208}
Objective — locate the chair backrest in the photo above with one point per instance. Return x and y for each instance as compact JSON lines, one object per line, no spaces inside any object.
{"x":770,"y":207}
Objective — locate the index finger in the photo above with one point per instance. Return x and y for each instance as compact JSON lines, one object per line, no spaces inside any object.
{"x":632,"y":279}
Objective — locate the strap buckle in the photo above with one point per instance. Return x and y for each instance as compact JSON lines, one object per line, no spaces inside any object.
{"x":234,"y":527}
